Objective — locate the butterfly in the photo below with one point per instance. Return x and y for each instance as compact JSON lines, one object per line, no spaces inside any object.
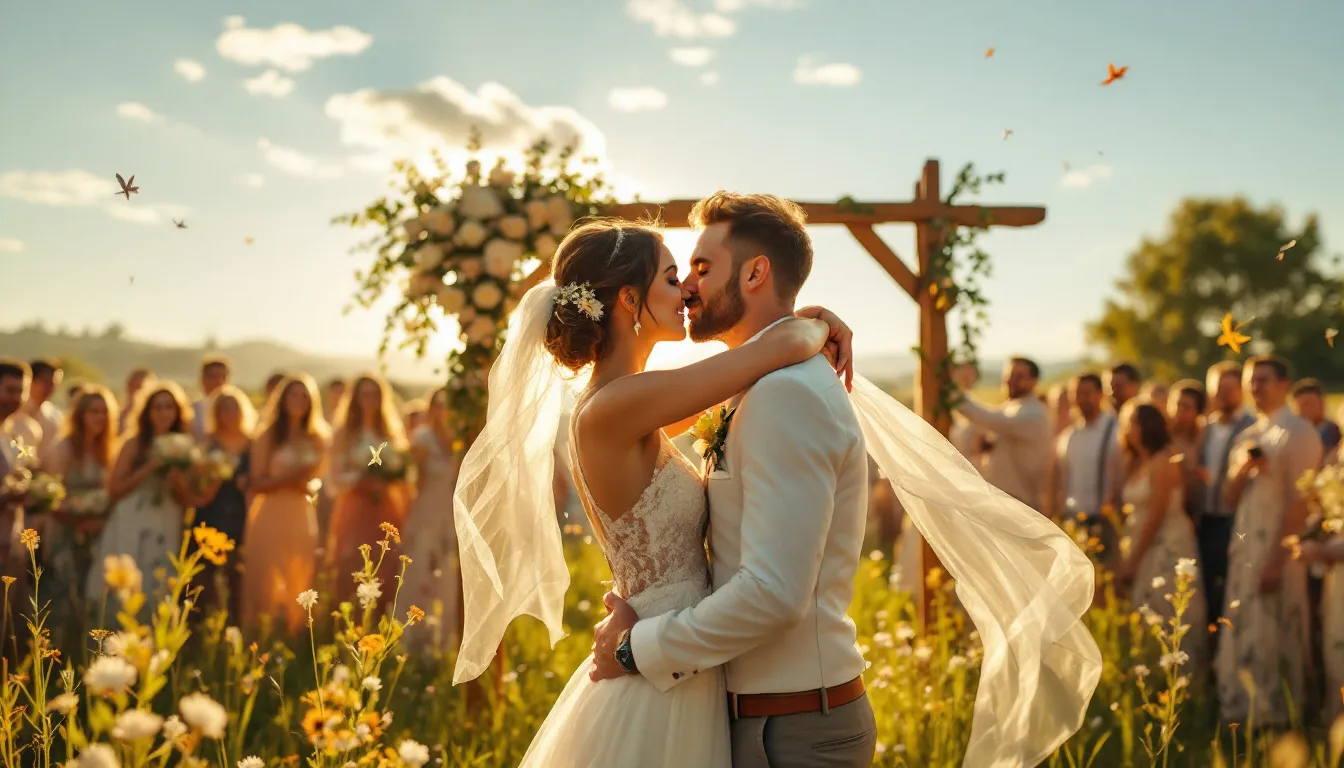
{"x":127,"y":187}
{"x":1232,"y":337}
{"x":1330,"y":334}
{"x":989,"y":52}
{"x":1285,"y":247}
{"x":180,"y":224}
{"x":377,"y":455}
{"x":1114,"y":73}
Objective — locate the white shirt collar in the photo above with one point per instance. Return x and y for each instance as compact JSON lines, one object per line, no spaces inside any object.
{"x":768,"y":327}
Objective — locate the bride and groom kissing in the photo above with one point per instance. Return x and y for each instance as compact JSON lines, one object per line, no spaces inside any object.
{"x":744,"y":657}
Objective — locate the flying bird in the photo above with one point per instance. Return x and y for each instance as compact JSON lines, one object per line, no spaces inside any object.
{"x":127,"y":187}
{"x":1232,"y":337}
{"x":1285,"y":247}
{"x":377,"y":454}
{"x":989,"y":52}
{"x":180,"y":224}
{"x":1006,"y":133}
{"x":1114,"y":73}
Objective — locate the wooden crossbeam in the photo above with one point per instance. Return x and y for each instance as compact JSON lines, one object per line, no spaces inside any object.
{"x":674,"y":213}
{"x":886,"y":258}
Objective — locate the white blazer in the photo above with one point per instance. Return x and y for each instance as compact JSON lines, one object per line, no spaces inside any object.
{"x":787,"y":518}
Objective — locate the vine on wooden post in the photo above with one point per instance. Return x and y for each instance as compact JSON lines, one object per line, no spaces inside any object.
{"x":954,"y":277}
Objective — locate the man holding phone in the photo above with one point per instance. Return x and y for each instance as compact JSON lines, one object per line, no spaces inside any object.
{"x":1266,"y":597}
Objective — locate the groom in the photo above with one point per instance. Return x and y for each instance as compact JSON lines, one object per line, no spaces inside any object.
{"x":787,"y":510}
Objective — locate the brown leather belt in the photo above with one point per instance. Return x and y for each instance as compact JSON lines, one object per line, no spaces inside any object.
{"x":780,"y":704}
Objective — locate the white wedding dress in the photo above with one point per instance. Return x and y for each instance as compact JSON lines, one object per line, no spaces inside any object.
{"x":657,"y":557}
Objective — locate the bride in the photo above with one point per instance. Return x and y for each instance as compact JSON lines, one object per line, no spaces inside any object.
{"x":617,"y":296}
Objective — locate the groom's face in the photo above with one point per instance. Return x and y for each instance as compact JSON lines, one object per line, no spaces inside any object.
{"x":716,"y":303}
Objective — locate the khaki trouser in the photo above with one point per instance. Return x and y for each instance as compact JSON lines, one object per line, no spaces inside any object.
{"x":845,"y":737}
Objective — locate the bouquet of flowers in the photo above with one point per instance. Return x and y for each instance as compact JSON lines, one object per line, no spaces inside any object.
{"x":217,"y":465}
{"x":176,"y":451}
{"x":90,"y":503}
{"x":45,"y":493}
{"x":1324,"y":490}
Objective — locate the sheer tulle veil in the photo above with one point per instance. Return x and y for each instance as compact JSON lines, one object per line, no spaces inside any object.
{"x":1023,"y":581}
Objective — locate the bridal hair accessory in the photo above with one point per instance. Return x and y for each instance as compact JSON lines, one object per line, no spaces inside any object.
{"x":583,"y":299}
{"x":620,"y":238}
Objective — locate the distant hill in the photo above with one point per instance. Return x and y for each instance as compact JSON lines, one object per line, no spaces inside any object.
{"x":109,"y":356}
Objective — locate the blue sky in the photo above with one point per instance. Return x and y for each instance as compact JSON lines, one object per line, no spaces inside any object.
{"x":1221,"y":98}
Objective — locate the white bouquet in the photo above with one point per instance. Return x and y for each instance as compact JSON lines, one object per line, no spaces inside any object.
{"x":91,"y":503}
{"x":45,"y":493}
{"x":176,"y":451}
{"x":218,"y":465}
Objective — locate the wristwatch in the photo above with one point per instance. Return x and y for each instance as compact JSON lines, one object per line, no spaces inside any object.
{"x":625,"y":656}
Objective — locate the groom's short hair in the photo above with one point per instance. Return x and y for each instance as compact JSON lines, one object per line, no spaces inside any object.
{"x":762,"y":225}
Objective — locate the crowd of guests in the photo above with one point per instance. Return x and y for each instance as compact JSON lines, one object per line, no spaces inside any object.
{"x":301,"y":498}
{"x":1195,"y":475}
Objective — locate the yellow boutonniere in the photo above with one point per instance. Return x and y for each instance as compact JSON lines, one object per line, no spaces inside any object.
{"x":711,"y":433}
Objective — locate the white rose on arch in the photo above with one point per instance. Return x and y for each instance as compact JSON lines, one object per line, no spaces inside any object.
{"x":480,"y":330}
{"x":544,"y":246}
{"x":471,"y":234}
{"x":501,"y":256}
{"x":513,"y":227}
{"x":469,"y":268}
{"x":414,"y":229}
{"x":487,"y":296}
{"x":439,"y":220}
{"x":560,"y":213}
{"x":429,"y":256}
{"x":538,"y":214}
{"x":451,"y":298}
{"x":480,"y":203}
{"x":424,"y":285}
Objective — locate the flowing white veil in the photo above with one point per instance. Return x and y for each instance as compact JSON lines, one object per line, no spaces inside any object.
{"x":1023,"y":581}
{"x":508,"y":538}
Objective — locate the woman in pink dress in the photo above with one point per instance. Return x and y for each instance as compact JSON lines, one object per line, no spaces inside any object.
{"x":432,"y":580}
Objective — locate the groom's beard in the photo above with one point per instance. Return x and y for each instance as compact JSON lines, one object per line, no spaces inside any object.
{"x":720,"y":313}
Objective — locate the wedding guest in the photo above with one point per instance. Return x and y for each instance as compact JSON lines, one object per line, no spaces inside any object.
{"x":214,"y":374}
{"x":367,"y":493}
{"x":1122,"y":384}
{"x":272,"y":382}
{"x":135,"y":381}
{"x":1309,"y":402}
{"x":281,"y":531}
{"x":1267,"y":636}
{"x":965,"y":436}
{"x":1186,"y":405}
{"x":414,"y":414}
{"x":14,"y":380}
{"x":333,"y":397}
{"x":1020,"y":451}
{"x":1060,"y":407}
{"x":432,"y":579}
{"x":1160,"y":533}
{"x":82,"y":458}
{"x":1088,"y":459}
{"x":222,"y":503}
{"x":1158,"y":393}
{"x":1214,"y":515}
{"x":148,"y":499}
{"x":1329,"y":554}
{"x":47,"y":375}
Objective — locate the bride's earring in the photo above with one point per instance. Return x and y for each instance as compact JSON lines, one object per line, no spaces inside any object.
{"x":637,"y":327}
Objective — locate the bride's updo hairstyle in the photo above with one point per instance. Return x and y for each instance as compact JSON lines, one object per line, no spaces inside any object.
{"x":607,"y":255}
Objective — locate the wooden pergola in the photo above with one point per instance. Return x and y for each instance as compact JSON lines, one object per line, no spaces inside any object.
{"x":926,"y":211}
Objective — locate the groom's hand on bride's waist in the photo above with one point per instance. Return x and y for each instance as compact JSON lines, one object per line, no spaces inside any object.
{"x":607,"y":636}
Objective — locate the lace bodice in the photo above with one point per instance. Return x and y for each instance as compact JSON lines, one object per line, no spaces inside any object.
{"x":656,"y":550}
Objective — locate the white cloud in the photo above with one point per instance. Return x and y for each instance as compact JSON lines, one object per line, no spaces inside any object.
{"x":692,"y":57}
{"x":642,"y":99}
{"x":11,"y":245}
{"x":733,"y":6}
{"x":709,"y":78}
{"x":441,"y":113}
{"x":671,"y":18}
{"x":82,"y":189}
{"x":1079,"y":178}
{"x":253,"y":180}
{"x":135,"y":111}
{"x":269,"y":83}
{"x":295,"y":163}
{"x":287,"y":46}
{"x":836,"y":74}
{"x":191,"y":71}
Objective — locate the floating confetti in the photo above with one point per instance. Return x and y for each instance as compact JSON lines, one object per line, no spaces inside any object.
{"x":247,"y":241}
{"x":1232,"y":337}
{"x":1114,"y":73}
{"x":127,"y":187}
{"x":377,"y":455}
{"x":181,"y":224}
{"x":1285,"y":247}
{"x":25,"y":451}
{"x":989,"y":52}
{"x":1006,"y":133}
{"x":1330,"y":334}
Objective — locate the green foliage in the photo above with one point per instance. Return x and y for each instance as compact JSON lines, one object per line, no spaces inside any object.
{"x":1219,"y":256}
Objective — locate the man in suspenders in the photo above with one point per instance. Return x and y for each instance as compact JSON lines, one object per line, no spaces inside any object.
{"x":1088,"y":461}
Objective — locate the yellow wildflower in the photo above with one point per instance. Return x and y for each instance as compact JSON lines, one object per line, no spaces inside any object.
{"x":29,"y":539}
{"x":391,"y":531}
{"x":414,"y":615}
{"x":372,"y":644}
{"x":214,"y":544}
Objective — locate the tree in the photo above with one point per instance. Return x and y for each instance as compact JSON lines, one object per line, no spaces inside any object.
{"x":1218,"y":257}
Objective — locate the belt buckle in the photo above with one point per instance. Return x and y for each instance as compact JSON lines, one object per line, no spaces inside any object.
{"x":732,"y":707}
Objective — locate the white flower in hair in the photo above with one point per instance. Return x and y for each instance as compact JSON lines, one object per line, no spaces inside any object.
{"x":583,"y":299}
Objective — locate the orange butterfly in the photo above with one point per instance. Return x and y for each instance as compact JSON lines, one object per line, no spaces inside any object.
{"x":989,"y":52}
{"x":1114,"y":73}
{"x":1232,"y":337}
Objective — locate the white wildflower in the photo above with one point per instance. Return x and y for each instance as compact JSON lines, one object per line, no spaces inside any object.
{"x":1174,"y":659}
{"x":204,"y":714}
{"x":1186,"y":567}
{"x":372,"y":683}
{"x":340,"y":674}
{"x":1159,"y":582}
{"x":95,"y":756}
{"x":884,"y":640}
{"x":63,"y":703}
{"x":413,"y":753}
{"x":369,"y":592}
{"x":956,"y":662}
{"x":134,"y":724}
{"x":308,"y":599}
{"x":905,"y":632}
{"x":173,"y":729}
{"x":923,"y":653}
{"x":109,"y":674}
{"x":234,"y":637}
{"x":1140,"y":671}
{"x":252,"y":761}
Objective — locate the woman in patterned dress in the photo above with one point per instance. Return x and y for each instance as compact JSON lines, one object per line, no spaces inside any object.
{"x":432,"y":578}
